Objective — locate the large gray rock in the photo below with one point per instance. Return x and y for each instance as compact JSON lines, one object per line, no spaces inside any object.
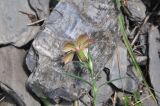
{"x":40,"y":7}
{"x":69,"y":19}
{"x":118,"y":66}
{"x":13,"y":23}
{"x":154,"y":63}
{"x":13,"y":74}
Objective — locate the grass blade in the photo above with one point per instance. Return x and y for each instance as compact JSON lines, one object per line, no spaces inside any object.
{"x":128,"y":46}
{"x":131,"y":54}
{"x":136,"y":95}
{"x":122,"y":28}
{"x":126,"y":101}
{"x":111,"y":81}
{"x":77,"y":77}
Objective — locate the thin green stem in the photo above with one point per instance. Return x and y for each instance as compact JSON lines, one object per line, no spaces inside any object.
{"x":93,"y":79}
{"x":94,"y":88}
{"x":121,"y":25}
{"x":130,"y":51}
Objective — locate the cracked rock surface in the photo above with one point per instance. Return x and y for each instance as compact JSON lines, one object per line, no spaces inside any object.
{"x":154,"y":64}
{"x":13,"y":74}
{"x":14,"y":24}
{"x":68,"y":20}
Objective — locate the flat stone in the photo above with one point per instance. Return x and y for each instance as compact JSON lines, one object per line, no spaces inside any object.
{"x":154,"y":63}
{"x":13,"y":23}
{"x":118,"y":66}
{"x":40,"y":7}
{"x":68,"y":20}
{"x":13,"y":74}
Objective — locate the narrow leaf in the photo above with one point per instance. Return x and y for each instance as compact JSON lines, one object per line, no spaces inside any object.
{"x":77,"y":77}
{"x":111,"y":81}
{"x":126,"y":101}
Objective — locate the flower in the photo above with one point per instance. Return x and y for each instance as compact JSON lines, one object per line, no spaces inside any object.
{"x":78,"y":47}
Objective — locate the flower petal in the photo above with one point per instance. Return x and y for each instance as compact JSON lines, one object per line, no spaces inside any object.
{"x":69,"y":46}
{"x":82,"y":39}
{"x":86,"y":44}
{"x":68,"y":57}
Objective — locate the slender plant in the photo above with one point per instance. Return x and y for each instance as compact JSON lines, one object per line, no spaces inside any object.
{"x":126,"y":100}
{"x":80,"y":48}
{"x":121,"y":24}
{"x":133,"y":100}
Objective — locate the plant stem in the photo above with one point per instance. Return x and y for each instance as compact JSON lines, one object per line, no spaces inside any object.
{"x":94,"y":90}
{"x":94,"y":85}
{"x":121,"y":25}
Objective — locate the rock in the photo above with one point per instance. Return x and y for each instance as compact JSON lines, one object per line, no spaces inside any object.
{"x":103,"y":95}
{"x":13,"y":74}
{"x":137,"y":8}
{"x":13,"y":23}
{"x":119,"y":69}
{"x":31,"y":62}
{"x":154,"y":63}
{"x":148,"y":101}
{"x":141,"y":60}
{"x":68,"y":20}
{"x":105,"y":91}
{"x":40,"y":7}
{"x":11,"y":17}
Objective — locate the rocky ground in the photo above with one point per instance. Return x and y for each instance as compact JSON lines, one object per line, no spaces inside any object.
{"x":32,"y":36}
